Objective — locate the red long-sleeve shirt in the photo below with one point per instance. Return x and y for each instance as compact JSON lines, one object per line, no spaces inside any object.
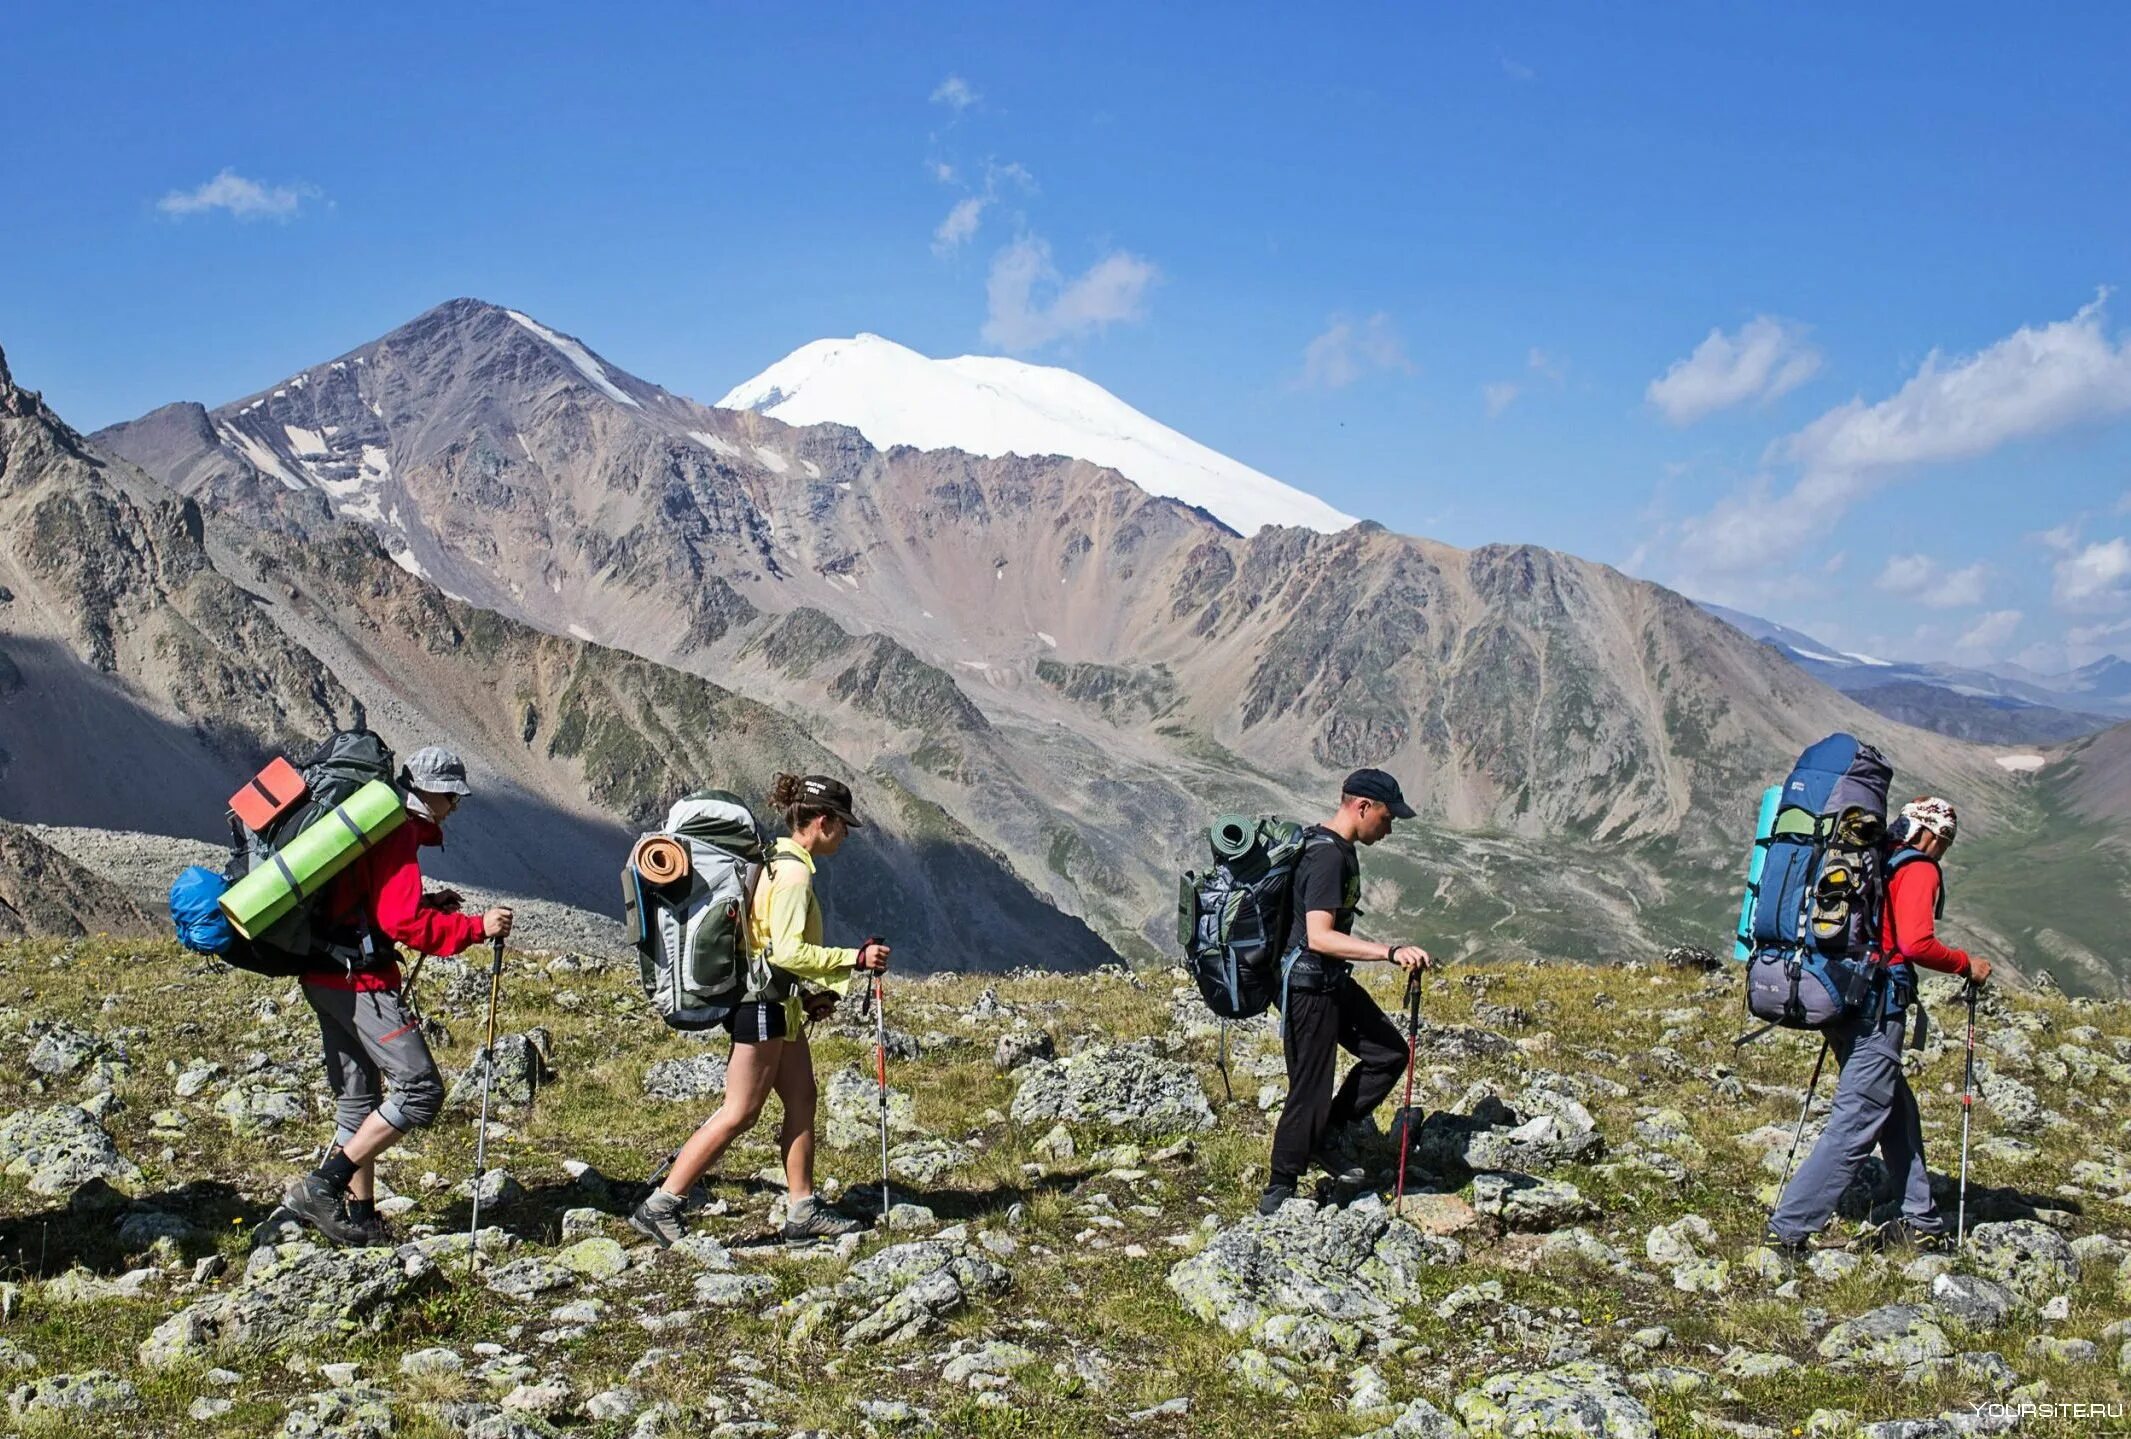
{"x":384,"y":888}
{"x":1911,"y":929}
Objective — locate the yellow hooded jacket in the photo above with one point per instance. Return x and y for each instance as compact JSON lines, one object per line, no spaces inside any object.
{"x":786,"y":925}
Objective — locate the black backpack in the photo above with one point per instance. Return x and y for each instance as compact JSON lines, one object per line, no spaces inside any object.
{"x":302,"y":941}
{"x":1233,"y":919}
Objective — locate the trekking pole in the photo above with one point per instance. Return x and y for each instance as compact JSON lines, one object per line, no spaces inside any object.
{"x":880,"y":1067}
{"x":1405,"y":1118}
{"x":488,"y":1075}
{"x":1798,"y":1134}
{"x":1968,"y":1100}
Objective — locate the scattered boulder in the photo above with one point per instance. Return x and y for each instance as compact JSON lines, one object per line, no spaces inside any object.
{"x":1418,"y":1420}
{"x":1019,"y":1047}
{"x":521,"y":1068}
{"x":1357,"y":1265}
{"x":1124,"y":1086}
{"x":58,"y":1399}
{"x":260,"y":1106}
{"x":529,"y":1278}
{"x":1894,"y":1336}
{"x":699,"y":1076}
{"x":1450,"y":1143}
{"x":2028,"y":1257}
{"x":1520,"y":1201}
{"x":899,"y":1293}
{"x":851,"y":1111}
{"x":1972,"y":1301}
{"x":58,"y":1048}
{"x":60,"y":1149}
{"x":294,"y":1295}
{"x":1585,"y":1397}
{"x":927,"y":1161}
{"x":361,"y":1412}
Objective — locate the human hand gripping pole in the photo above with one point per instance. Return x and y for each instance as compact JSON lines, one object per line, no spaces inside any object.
{"x":488,"y":1075}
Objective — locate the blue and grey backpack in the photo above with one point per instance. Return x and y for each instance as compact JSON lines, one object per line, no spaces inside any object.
{"x":1232,"y":919}
{"x":1809,"y":926}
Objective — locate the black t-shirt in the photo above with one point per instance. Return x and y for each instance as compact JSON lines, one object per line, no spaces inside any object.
{"x":1328,"y":876}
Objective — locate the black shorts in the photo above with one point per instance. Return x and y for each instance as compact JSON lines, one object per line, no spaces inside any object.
{"x":756,"y":1022}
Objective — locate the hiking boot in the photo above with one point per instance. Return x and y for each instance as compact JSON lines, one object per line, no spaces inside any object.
{"x":376,"y":1233}
{"x":1791,"y":1253}
{"x":314,"y":1200}
{"x":1275,"y":1195}
{"x":659,"y":1222}
{"x":811,"y":1219}
{"x":1906,"y":1232}
{"x":1343,"y":1171}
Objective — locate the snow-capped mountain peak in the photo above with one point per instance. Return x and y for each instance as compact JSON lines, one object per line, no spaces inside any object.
{"x":985,"y":405}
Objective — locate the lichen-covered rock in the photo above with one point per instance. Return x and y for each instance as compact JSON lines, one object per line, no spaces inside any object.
{"x":1894,"y":1336}
{"x":1450,"y":1143}
{"x":1019,"y":1047}
{"x":258,"y":1108}
{"x":2030,"y":1258}
{"x":521,"y":1068}
{"x":897,"y":1293}
{"x":1521,"y":1201}
{"x":60,"y":1149}
{"x":361,"y":1412}
{"x":295,"y":1295}
{"x":58,"y":1048}
{"x":1975,"y":1302}
{"x":1420,"y":1420}
{"x":851,"y":1111}
{"x":699,"y":1076}
{"x":527,"y":1278}
{"x":1579,"y":1248}
{"x":1586,"y":1398}
{"x":725,"y":1290}
{"x":58,"y":1398}
{"x":927,"y":1161}
{"x":1125,"y":1086}
{"x":1354,"y":1264}
{"x":596,"y":1258}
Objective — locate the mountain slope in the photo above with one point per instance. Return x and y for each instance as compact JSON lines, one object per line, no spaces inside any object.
{"x":153,"y":656}
{"x":1586,"y":747}
{"x":982,"y":405}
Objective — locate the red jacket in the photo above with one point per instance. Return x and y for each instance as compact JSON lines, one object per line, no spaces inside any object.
{"x":384,"y":889}
{"x":1910,"y":931}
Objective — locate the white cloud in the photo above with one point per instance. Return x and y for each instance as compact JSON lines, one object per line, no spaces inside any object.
{"x":1345,"y":351}
{"x":941,"y":171}
{"x":1499,"y":396}
{"x":1929,"y":583}
{"x":1766,"y":358}
{"x":1540,"y":363}
{"x":2032,"y":382}
{"x":1031,"y":304}
{"x":955,"y":93}
{"x":2095,"y":578}
{"x":1989,"y":634}
{"x":960,"y":225}
{"x":245,"y":199}
{"x":2062,"y":539}
{"x":1517,"y":71}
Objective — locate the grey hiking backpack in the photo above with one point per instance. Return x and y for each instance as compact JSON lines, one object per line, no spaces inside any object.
{"x":691,"y":933}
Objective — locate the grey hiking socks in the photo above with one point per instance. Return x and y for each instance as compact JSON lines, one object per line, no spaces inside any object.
{"x":658,"y":1218}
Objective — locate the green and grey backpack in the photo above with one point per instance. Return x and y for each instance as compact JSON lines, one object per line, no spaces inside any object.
{"x":691,"y":932}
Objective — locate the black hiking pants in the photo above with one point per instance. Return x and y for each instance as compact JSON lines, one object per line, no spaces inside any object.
{"x":1315,"y":1027}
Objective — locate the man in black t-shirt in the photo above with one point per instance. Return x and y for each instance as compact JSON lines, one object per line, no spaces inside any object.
{"x":1323,"y":1010}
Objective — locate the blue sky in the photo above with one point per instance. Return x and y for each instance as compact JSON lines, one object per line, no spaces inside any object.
{"x":1806,"y":309}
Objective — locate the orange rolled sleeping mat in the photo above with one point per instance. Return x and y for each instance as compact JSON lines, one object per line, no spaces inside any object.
{"x":660,"y":859}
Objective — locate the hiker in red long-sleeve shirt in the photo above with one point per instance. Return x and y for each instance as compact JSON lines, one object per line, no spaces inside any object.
{"x":1873,"y":1101}
{"x":384,"y":1080}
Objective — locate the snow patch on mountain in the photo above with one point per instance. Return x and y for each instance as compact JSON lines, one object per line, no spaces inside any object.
{"x":987,"y":406}
{"x":578,"y":356}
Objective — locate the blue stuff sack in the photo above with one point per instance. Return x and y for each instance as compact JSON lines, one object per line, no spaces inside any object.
{"x":196,"y":912}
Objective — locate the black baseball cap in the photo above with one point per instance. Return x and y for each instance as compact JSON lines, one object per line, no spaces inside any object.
{"x":1375,"y":784}
{"x":830,"y":794}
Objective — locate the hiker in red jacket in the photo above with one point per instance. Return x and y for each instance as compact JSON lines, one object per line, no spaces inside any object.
{"x":377,"y":1062}
{"x":1873,"y":1102}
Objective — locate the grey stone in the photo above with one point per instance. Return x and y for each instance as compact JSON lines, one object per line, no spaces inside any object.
{"x":60,"y":1149}
{"x":2030,"y":1258}
{"x":527,"y":1278}
{"x":1521,"y":1201}
{"x":1019,"y":1047}
{"x":432,"y":1361}
{"x":1586,"y":1397}
{"x":1341,"y":1264}
{"x":699,"y":1076}
{"x":1124,"y":1086}
{"x":364,"y":1412}
{"x":58,"y":1397}
{"x":850,"y":1103}
{"x":256,"y":1108}
{"x":295,"y":1296}
{"x":1420,"y":1419}
{"x":1448,"y":1143}
{"x":723,"y":1290}
{"x":927,"y":1161}
{"x":595,"y":1259}
{"x":1975,"y":1302}
{"x":59,"y":1048}
{"x":1894,"y":1336}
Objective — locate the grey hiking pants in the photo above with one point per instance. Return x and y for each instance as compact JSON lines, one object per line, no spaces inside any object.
{"x":1873,"y":1106}
{"x":376,"y":1060}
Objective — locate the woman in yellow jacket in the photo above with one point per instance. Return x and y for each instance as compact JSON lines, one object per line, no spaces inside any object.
{"x":795,"y":978}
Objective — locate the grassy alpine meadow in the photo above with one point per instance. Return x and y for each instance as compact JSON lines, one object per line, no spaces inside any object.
{"x":1089,"y":1339}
